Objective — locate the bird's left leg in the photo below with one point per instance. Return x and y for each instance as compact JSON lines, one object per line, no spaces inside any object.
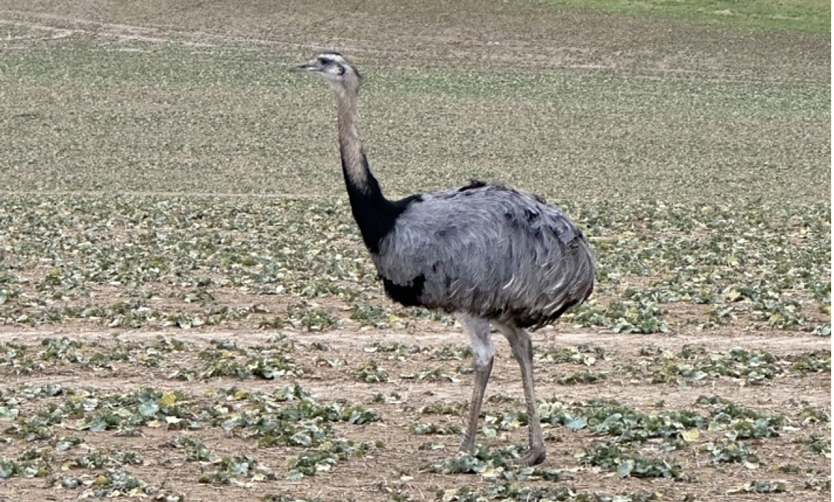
{"x":523,"y":351}
{"x":483,"y":354}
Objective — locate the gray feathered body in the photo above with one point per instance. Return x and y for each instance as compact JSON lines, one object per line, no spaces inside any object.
{"x":488,"y":251}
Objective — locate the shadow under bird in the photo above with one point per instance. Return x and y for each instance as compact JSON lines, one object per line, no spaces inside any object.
{"x":488,"y":253}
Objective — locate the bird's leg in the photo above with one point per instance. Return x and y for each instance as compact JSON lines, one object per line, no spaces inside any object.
{"x":483,"y":354}
{"x":523,"y":351}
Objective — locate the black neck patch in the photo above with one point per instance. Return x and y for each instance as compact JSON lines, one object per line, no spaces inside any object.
{"x":374,"y":214}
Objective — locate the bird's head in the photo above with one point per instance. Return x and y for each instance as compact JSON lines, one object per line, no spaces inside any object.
{"x":335,"y":68}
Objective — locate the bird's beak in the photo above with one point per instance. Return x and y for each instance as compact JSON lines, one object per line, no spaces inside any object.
{"x":308,"y":66}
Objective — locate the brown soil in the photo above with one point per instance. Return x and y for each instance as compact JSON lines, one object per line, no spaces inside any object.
{"x":401,"y":465}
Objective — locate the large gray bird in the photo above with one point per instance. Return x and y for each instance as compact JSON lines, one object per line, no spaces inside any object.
{"x":488,"y":253}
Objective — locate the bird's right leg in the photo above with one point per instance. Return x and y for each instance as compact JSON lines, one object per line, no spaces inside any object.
{"x":523,"y":351}
{"x":483,"y":355}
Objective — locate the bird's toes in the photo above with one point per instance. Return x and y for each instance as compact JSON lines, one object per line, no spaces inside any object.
{"x":534,"y":456}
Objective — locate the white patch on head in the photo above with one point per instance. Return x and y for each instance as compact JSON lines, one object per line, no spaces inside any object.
{"x":336,"y":69}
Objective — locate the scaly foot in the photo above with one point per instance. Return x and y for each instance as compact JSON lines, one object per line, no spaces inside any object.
{"x":534,"y":456}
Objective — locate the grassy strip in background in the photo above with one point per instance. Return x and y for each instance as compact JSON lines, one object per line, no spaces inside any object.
{"x":87,"y":118}
{"x":812,"y":16}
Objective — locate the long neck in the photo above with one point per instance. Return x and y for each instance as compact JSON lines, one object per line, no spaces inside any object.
{"x":358,"y":177}
{"x":373,"y":213}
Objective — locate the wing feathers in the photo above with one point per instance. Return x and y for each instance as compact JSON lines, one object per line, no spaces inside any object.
{"x":488,"y":251}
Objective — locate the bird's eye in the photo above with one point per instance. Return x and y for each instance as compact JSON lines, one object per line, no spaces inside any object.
{"x":324,"y":61}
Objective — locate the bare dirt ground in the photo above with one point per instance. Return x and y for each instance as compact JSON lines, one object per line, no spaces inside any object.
{"x":476,"y":34}
{"x":401,"y":466}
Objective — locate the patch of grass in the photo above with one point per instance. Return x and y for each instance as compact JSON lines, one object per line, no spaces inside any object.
{"x":494,"y":464}
{"x":237,"y":470}
{"x":371,"y":372}
{"x":115,"y":483}
{"x":584,"y":377}
{"x":392,"y":397}
{"x":581,"y":354}
{"x":754,"y":366}
{"x":626,"y":424}
{"x":625,"y":463}
{"x":311,"y":317}
{"x":628,"y":430}
{"x":508,"y":491}
{"x":812,"y":362}
{"x":322,"y":458}
{"x":789,"y":469}
{"x":30,"y":464}
{"x":286,"y":498}
{"x":444,"y":408}
{"x":14,"y":357}
{"x":109,"y":459}
{"x":227,"y":360}
{"x":623,"y":317}
{"x":194,"y":448}
{"x":818,"y":445}
{"x":761,"y":427}
{"x":395,"y":349}
{"x":813,"y":16}
{"x":422,"y":429}
{"x":433,"y":374}
{"x":729,"y":451}
{"x":287,"y":417}
{"x":449,"y":352}
{"x":64,"y":443}
{"x":371,"y":315}
{"x":815,"y":414}
{"x":658,"y":106}
{"x":762,"y":486}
